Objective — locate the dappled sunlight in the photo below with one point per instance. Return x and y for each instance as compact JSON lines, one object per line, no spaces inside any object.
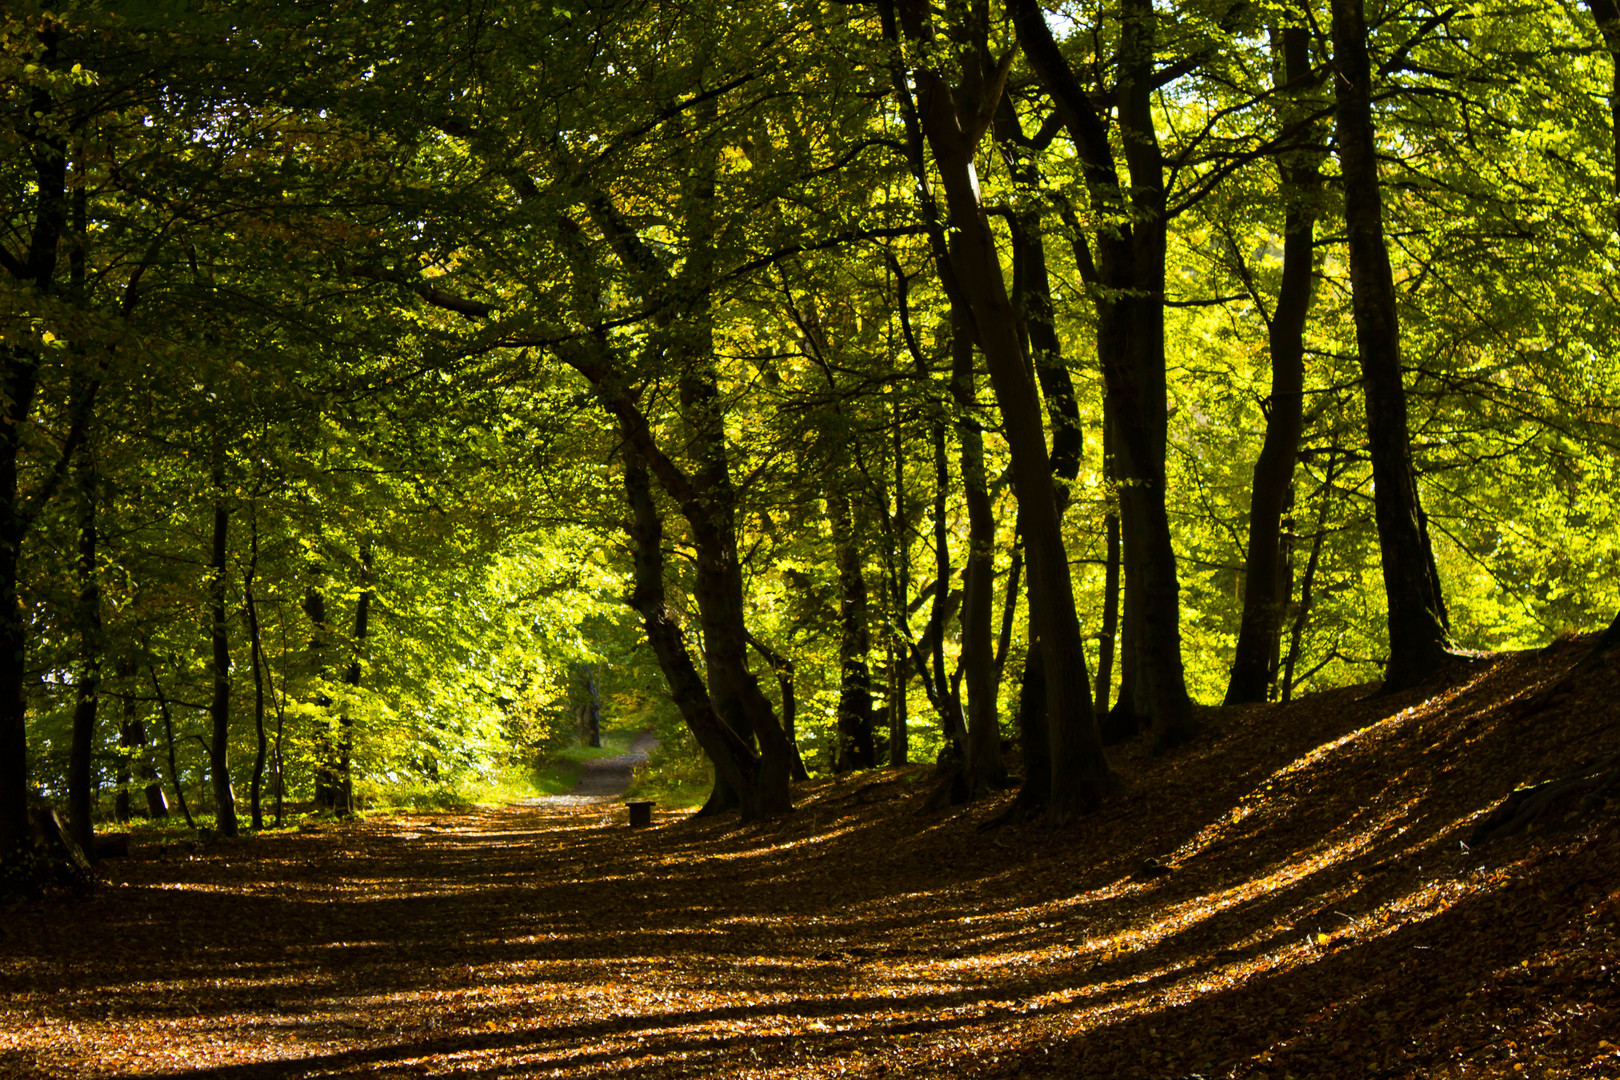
{"x":1324,"y":896}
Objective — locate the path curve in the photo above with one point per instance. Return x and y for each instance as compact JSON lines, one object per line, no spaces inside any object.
{"x":604,"y":779}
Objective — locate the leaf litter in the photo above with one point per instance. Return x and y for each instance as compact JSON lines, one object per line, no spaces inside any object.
{"x":1293,"y":895}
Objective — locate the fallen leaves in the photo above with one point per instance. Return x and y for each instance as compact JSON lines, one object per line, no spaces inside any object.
{"x":1287,"y":897}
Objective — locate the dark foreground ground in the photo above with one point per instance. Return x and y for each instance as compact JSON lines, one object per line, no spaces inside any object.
{"x":1322,"y":916}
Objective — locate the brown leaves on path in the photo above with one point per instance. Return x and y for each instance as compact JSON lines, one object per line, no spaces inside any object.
{"x":1311,"y":910}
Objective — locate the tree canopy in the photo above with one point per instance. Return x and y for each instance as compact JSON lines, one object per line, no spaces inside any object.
{"x":848,"y":383}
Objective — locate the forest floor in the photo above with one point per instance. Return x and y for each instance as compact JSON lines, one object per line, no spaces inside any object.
{"x":1314,"y":910}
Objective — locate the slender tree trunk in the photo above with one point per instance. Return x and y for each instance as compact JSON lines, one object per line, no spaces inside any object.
{"x":1308,"y":583}
{"x":1110,"y":622}
{"x":1264,"y":600}
{"x":736,"y":764}
{"x":983,"y":765}
{"x":343,"y":786}
{"x":219,"y":709}
{"x":87,"y":687}
{"x":168,"y":735}
{"x":855,"y":743}
{"x":1418,"y":640}
{"x":132,"y":738}
{"x":326,"y":772}
{"x":256,"y":658}
{"x":899,"y":666}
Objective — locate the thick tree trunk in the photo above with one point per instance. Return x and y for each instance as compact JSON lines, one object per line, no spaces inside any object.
{"x":219,"y":709}
{"x":1418,"y":640}
{"x":855,"y":744}
{"x":1265,"y":597}
{"x":19,"y":372}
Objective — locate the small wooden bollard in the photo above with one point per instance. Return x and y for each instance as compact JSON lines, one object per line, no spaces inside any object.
{"x":640,"y":813}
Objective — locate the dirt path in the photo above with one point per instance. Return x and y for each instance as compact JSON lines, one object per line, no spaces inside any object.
{"x":605,"y":779}
{"x":1319,"y":918}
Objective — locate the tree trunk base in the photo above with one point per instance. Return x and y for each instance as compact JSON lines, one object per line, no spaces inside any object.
{"x":51,"y":858}
{"x":1577,"y":793}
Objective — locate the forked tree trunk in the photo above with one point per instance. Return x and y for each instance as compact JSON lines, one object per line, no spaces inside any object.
{"x":1080,"y":777}
{"x":736,"y":764}
{"x":1418,"y":638}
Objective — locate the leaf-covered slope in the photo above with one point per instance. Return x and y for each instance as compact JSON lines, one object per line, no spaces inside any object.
{"x":1311,"y":907}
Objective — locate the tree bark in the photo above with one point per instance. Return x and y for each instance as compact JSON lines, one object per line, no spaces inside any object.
{"x":1418,"y":638}
{"x":219,"y":709}
{"x":19,"y":380}
{"x":343,"y":791}
{"x":168,"y":735}
{"x":1265,"y":597}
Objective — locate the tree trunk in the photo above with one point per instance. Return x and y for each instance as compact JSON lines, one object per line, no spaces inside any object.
{"x":256,"y":660}
{"x":87,"y":686}
{"x":168,"y":735}
{"x":1308,"y":583}
{"x":19,"y":374}
{"x":855,"y":743}
{"x":984,"y":769}
{"x":1080,"y":776}
{"x":343,"y":787}
{"x":326,"y":771}
{"x":736,"y":764}
{"x":1265,"y":598}
{"x":219,"y":709}
{"x":1130,"y":345}
{"x":1418,"y":640}
{"x":784,"y":668}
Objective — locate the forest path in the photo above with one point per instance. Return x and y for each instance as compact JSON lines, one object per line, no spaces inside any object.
{"x":1312,"y":913}
{"x":605,"y":779}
